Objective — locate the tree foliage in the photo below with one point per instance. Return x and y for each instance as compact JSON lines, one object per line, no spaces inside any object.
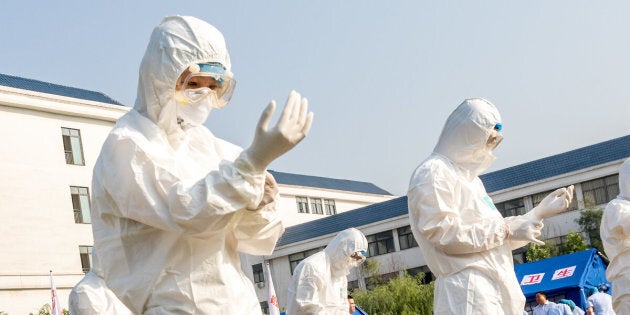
{"x":46,"y":309}
{"x":537,"y":252}
{"x":403,"y":295}
{"x":590,"y":220}
{"x":575,"y":243}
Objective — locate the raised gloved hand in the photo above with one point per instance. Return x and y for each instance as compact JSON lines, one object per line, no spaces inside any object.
{"x":554,"y":203}
{"x":292,"y":127}
{"x":524,"y":228}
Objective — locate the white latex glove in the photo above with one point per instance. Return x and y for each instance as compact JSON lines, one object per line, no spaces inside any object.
{"x":524,"y":228}
{"x":292,"y":127}
{"x":554,"y":203}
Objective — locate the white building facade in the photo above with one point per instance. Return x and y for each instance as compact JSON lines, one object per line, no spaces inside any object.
{"x":50,"y":144}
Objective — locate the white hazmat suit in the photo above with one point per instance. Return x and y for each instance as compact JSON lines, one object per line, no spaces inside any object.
{"x":465,"y":241}
{"x":319,"y":285}
{"x":615,"y":234}
{"x":172,"y":205}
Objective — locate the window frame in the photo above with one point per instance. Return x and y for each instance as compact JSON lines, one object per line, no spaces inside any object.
{"x":302,"y":200}
{"x":330,"y":208}
{"x":77,"y":204}
{"x":69,"y":146}
{"x":85,"y":255}
{"x":380,"y":243}
{"x":512,"y":207}
{"x":405,"y":233}
{"x":258,"y":273}
{"x":609,"y":187}
{"x":317,"y":206}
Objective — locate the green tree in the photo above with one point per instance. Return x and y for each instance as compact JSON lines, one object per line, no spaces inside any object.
{"x":575,"y":243}
{"x":46,"y":309}
{"x":537,"y":252}
{"x":403,"y":295}
{"x":590,"y":220}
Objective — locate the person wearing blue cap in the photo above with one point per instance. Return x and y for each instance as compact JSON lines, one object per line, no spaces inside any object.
{"x":569,"y":307}
{"x":599,"y":302}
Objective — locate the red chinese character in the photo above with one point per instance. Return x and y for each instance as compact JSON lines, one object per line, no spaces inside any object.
{"x":532,"y":279}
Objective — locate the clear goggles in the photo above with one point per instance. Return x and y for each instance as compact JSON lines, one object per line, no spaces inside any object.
{"x":208,"y":80}
{"x":495,"y":137}
{"x":359,"y":255}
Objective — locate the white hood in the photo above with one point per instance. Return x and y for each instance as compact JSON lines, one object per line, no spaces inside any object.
{"x":465,"y":134}
{"x":176,"y":43}
{"x":342,"y":247}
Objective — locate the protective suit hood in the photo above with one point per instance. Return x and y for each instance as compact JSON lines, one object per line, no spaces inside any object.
{"x":176,"y":43}
{"x":465,"y":134}
{"x":342,"y":247}
{"x":624,"y":180}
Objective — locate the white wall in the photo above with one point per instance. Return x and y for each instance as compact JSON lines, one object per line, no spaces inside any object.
{"x":38,"y":228}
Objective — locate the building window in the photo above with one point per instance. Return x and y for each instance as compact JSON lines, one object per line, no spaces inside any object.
{"x":537,"y":198}
{"x":295,"y":259}
{"x":259,"y":276}
{"x":380,"y":243}
{"x":72,"y":146}
{"x":329,"y":206}
{"x":316,"y":206}
{"x":405,"y":238}
{"x":512,"y":207}
{"x":600,"y":191}
{"x":302,"y":204}
{"x":80,"y":204}
{"x":264,"y":306}
{"x":86,"y":258}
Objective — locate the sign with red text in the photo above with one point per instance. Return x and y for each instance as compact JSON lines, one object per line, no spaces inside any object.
{"x":532,"y":278}
{"x":563,"y":273}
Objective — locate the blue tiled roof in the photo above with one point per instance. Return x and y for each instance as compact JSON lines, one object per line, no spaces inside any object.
{"x":339,"y":222}
{"x":567,"y":162}
{"x":585,"y":157}
{"x":50,"y":88}
{"x":328,"y":183}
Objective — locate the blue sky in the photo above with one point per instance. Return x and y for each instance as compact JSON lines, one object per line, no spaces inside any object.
{"x":380,"y":77}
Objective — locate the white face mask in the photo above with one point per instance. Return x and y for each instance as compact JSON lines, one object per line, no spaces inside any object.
{"x":192,"y":114}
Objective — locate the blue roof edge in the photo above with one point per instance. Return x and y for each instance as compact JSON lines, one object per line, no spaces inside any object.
{"x":55,"y":89}
{"x":327,"y":183}
{"x":570,"y":161}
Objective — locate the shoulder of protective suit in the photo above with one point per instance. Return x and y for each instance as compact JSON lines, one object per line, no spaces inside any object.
{"x":432,"y":170}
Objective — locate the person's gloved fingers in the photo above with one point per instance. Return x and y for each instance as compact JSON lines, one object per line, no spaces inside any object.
{"x":538,"y":242}
{"x":265,"y":117}
{"x":295,"y":109}
{"x":307,"y":124}
{"x":287,"y":112}
{"x":303,"y":112}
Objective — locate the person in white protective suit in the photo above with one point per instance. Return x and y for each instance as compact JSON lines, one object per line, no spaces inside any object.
{"x":615,"y":233}
{"x":319,"y":285}
{"x":465,"y":241}
{"x":173,"y":205}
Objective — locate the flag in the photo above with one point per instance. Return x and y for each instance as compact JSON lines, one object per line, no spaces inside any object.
{"x":274,"y":309}
{"x":56,"y":308}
